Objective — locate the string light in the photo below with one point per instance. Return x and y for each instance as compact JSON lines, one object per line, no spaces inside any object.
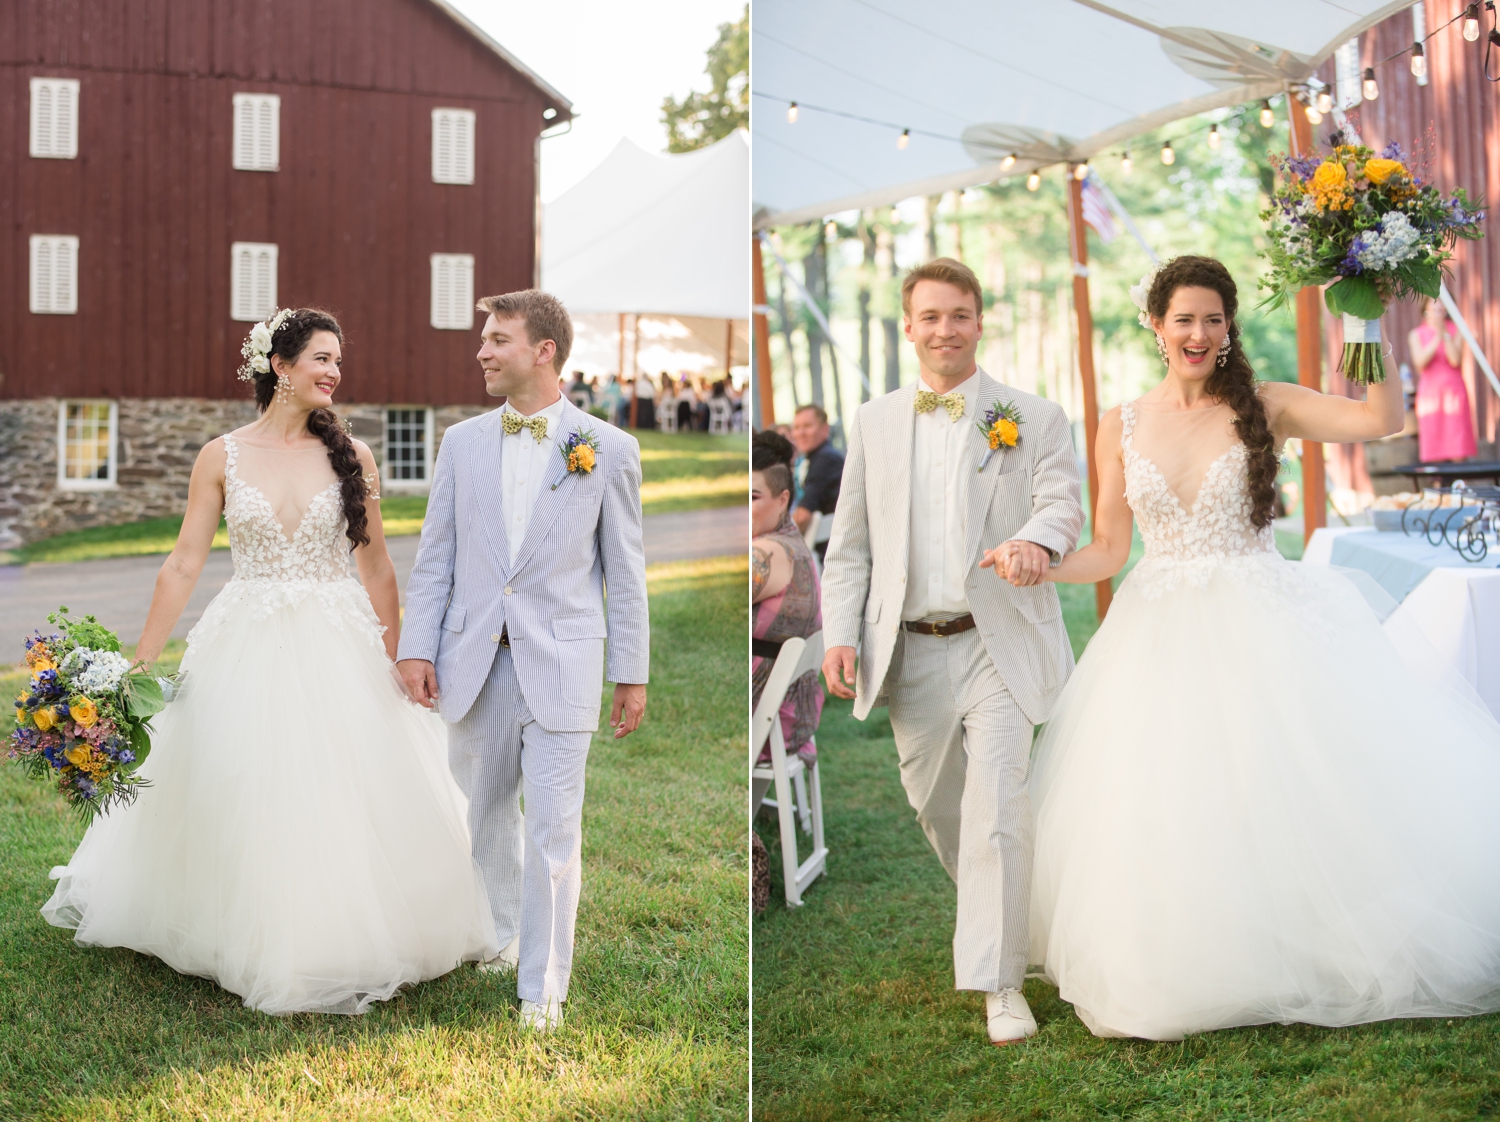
{"x":1008,"y":163}
{"x":831,"y":230}
{"x":1126,"y":163}
{"x":904,"y":139}
{"x":1081,"y":172}
{"x":1213,"y":137}
{"x":1267,"y":115}
{"x":791,"y":113}
{"x":1325,"y":102}
{"x":1418,"y":61}
{"x":895,"y":215}
{"x":1371,"y":89}
{"x":1168,"y":156}
{"x":1471,"y":22}
{"x":1033,"y":181}
{"x":1313,"y":116}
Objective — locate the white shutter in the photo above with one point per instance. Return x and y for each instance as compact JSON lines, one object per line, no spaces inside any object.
{"x":54,"y":274}
{"x":1347,"y":75}
{"x":54,"y":118}
{"x":252,"y":281}
{"x":453,"y":291}
{"x":257,"y":132}
{"x":453,"y":146}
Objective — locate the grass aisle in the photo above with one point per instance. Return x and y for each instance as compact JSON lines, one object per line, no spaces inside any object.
{"x":856,"y":1016}
{"x":655,"y":1018}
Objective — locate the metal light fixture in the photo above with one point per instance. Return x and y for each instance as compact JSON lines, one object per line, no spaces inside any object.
{"x":904,"y":139}
{"x":1418,"y":61}
{"x":1033,"y":181}
{"x":1371,"y":90}
{"x":1267,"y":115}
{"x":1168,"y":156}
{"x":1471,"y":22}
{"x":791,"y":113}
{"x":1213,"y":136}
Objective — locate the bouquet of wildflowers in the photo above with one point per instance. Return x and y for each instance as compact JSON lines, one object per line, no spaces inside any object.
{"x":1370,"y":229}
{"x":84,"y":718}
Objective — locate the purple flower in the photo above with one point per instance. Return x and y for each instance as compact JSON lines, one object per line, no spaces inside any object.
{"x":1303,"y":166}
{"x":1351,"y":266}
{"x":1393,"y":152}
{"x":126,"y":756}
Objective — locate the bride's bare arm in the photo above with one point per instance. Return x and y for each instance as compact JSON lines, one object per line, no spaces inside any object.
{"x":179,"y":573}
{"x":1331,"y":418}
{"x":1107,"y":553}
{"x":376,"y":571}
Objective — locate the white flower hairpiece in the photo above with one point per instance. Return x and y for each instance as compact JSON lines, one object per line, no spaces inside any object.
{"x":257,"y":346}
{"x":1138,"y":294}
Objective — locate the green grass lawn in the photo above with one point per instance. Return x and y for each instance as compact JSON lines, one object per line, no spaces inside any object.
{"x":856,"y":1016}
{"x":680,"y":471}
{"x":656,"y":1016}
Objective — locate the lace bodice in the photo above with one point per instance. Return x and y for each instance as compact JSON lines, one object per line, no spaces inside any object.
{"x":1191,"y":540}
{"x":316,"y":551}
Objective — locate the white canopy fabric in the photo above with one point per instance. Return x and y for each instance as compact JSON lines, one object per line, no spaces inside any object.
{"x":976,"y":80}
{"x":654,"y":234}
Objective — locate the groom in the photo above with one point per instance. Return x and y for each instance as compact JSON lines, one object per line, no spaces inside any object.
{"x":968,"y":663}
{"x":505,"y":625}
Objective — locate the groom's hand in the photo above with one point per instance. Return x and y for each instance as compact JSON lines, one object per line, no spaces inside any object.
{"x":838,"y":671}
{"x":628,"y":708}
{"x":420,"y":678}
{"x":1022,"y":563}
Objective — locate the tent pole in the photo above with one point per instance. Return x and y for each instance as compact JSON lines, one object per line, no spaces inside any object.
{"x":728,"y":347}
{"x":764,"y":390}
{"x":1078,"y":236}
{"x":1309,"y":356}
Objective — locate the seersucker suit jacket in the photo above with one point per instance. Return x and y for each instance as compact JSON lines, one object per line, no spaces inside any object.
{"x":1030,"y":491}
{"x":583,"y":536}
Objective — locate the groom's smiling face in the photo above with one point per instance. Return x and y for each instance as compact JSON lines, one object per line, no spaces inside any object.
{"x":944,"y":326}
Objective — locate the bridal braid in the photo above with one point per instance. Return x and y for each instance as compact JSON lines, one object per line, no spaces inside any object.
{"x":289,"y":342}
{"x":1234,"y":382}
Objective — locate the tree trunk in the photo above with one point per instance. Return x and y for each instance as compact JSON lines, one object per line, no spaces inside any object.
{"x":786,"y":333}
{"x":867,"y":239}
{"x":810,"y":328}
{"x":825,"y":301}
{"x":885,"y":253}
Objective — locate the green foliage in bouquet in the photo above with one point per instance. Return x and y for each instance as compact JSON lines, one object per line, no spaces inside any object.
{"x":83,"y":721}
{"x":1368,"y":228}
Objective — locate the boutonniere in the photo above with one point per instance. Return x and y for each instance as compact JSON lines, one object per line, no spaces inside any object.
{"x":579,"y":452}
{"x":1001,"y":428}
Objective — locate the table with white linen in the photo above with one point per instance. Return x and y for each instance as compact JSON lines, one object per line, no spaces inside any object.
{"x":1454,"y":604}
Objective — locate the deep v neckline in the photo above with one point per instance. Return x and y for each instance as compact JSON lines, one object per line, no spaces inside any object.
{"x":232,"y":469}
{"x":1203,"y":481}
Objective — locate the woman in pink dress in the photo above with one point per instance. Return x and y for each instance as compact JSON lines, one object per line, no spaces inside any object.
{"x":1444,"y":428}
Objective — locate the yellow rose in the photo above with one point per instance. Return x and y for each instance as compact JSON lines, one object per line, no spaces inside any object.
{"x":582,"y":459}
{"x":1329,"y":177}
{"x":78,"y":756}
{"x":83,"y":711}
{"x":1007,"y":431}
{"x":1378,"y":170}
{"x":45,"y":718}
{"x":20,"y":716}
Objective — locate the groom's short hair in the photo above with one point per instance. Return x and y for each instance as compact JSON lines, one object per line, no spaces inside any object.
{"x":544,"y":315}
{"x":947,"y":270}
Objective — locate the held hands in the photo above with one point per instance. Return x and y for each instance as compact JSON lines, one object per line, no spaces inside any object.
{"x":627,"y":709}
{"x":420,"y":679}
{"x":838,"y":671}
{"x":1022,"y":563}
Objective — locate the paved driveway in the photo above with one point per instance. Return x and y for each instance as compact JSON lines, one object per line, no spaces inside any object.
{"x":118,"y":589}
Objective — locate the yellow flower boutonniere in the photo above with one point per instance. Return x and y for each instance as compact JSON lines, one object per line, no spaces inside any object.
{"x":1001,"y":427}
{"x":579,"y":452}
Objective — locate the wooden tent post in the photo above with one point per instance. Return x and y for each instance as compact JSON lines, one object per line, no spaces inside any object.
{"x":1078,"y":237}
{"x":1309,"y":356}
{"x":764,"y":389}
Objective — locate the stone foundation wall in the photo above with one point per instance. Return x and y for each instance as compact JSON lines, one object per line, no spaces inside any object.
{"x":158,"y":441}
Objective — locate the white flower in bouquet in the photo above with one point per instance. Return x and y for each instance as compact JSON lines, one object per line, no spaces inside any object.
{"x":95,"y":671}
{"x":1397,"y":241}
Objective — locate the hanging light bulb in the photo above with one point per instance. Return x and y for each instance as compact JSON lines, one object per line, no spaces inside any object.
{"x":1418,"y":61}
{"x":1213,"y":136}
{"x":1471,"y":22}
{"x":1126,"y":163}
{"x":1325,"y":102}
{"x":904,"y":139}
{"x":1008,"y":163}
{"x":791,"y":113}
{"x":1168,"y":156}
{"x":1371,"y":89}
{"x":1313,"y":116}
{"x":831,"y":230}
{"x":1033,"y":181}
{"x":895,"y":215}
{"x":1267,"y":115}
{"x":1081,"y":172}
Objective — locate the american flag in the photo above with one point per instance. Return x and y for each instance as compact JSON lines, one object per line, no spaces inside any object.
{"x":1096,"y":211}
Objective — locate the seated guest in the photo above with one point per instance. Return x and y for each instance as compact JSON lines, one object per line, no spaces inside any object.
{"x":784,"y":590}
{"x":820,"y":471}
{"x":687,"y":401}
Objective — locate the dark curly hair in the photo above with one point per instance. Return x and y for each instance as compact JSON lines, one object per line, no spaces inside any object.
{"x":290,"y":340}
{"x":1234,"y":382}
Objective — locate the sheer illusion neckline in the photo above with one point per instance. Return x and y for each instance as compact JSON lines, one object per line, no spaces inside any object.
{"x":1127,"y":441}
{"x":259,"y":497}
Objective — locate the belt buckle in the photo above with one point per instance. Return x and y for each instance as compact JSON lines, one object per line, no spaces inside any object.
{"x":504,"y":638}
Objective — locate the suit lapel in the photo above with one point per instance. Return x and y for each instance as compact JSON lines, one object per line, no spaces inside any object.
{"x":981,"y":483}
{"x":486,"y":467}
{"x":550,"y":502}
{"x":896,"y":441}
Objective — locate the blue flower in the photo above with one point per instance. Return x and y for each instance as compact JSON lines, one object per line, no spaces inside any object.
{"x":126,"y":756}
{"x":1303,"y":166}
{"x":1392,"y":151}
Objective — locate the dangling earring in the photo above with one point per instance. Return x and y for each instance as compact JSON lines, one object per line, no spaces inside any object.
{"x":284,"y":390}
{"x":1224,"y":352}
{"x":1161,"y":348}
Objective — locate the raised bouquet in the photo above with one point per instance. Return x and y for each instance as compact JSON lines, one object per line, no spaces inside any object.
{"x":84,"y":719}
{"x":1370,"y":229}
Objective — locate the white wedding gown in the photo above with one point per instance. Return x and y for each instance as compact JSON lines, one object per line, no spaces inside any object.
{"x":1249,"y":807}
{"x":302,"y":843}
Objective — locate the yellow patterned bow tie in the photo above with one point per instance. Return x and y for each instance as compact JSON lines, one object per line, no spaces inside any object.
{"x":927,"y":401}
{"x":513,"y":423}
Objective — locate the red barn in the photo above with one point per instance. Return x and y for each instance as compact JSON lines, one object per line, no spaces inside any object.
{"x":176,"y":168}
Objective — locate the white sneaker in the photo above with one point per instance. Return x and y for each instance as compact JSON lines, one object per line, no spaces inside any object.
{"x":542,"y":1018}
{"x":506,"y":961}
{"x":1009,"y":1017}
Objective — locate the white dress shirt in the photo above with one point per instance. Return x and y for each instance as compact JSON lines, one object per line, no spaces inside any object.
{"x":523,"y":462}
{"x":940,"y":452}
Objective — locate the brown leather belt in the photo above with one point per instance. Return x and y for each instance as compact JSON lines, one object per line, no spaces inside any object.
{"x":946,"y":627}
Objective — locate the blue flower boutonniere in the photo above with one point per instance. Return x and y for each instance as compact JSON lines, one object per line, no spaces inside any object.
{"x":580,"y":452}
{"x":1001,"y":428}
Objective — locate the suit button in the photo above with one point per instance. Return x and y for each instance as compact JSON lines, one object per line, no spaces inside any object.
{"x":507,"y":590}
{"x":495,"y":638}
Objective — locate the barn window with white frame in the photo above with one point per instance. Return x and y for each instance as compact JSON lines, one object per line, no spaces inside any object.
{"x":408,"y":445}
{"x":86,"y":441}
{"x":257,"y":132}
{"x":453,"y":146}
{"x":252,"y":281}
{"x":54,"y":118}
{"x":54,"y":274}
{"x":453,"y":291}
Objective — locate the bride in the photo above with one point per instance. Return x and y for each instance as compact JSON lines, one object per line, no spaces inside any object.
{"x":302,"y":843}
{"x":1249,"y":807}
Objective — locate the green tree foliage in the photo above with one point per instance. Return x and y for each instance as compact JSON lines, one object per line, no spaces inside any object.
{"x":700,"y":119}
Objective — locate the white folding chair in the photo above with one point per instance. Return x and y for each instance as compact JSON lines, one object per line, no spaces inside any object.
{"x":786,"y":770}
{"x":719,"y":414}
{"x":666,"y":415}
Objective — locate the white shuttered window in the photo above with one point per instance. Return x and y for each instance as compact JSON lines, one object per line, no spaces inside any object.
{"x":252,"y":281}
{"x":453,"y":146}
{"x":86,"y":443}
{"x":1347,"y":83}
{"x":257,"y":132}
{"x":453,"y":291}
{"x":54,"y":274}
{"x":54,"y":118}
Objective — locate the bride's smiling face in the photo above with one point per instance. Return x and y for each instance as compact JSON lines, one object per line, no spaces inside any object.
{"x":1193,"y":330}
{"x":315,"y":374}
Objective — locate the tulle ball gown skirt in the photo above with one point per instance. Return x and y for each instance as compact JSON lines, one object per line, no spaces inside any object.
{"x":1250,"y":808}
{"x":302,"y":843}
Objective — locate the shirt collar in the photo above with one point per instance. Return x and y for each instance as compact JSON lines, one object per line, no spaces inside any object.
{"x":553,"y":413}
{"x":969,"y":387}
